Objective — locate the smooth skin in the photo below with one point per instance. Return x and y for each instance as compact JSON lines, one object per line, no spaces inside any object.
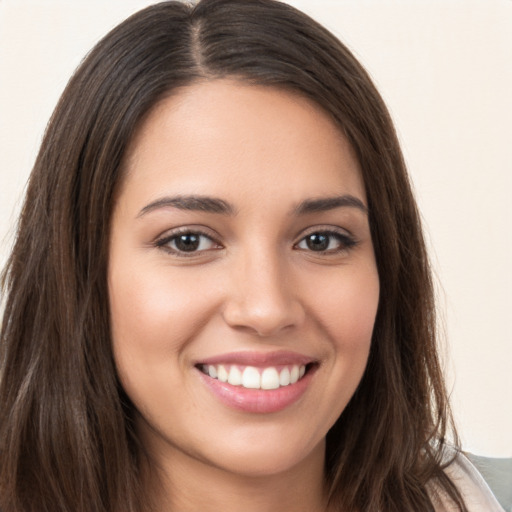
{"x":263,"y":265}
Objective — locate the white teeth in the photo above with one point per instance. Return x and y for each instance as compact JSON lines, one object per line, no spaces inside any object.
{"x":269,"y":379}
{"x":294,"y":374}
{"x":284,"y":377}
{"x":251,"y":377}
{"x":235,"y":376}
{"x":222,"y":374}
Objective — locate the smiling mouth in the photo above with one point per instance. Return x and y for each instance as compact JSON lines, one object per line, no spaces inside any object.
{"x":252,"y":377}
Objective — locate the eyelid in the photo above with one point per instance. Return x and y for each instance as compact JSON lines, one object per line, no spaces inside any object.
{"x":325,"y":228}
{"x":167,"y":236}
{"x":347,"y":239}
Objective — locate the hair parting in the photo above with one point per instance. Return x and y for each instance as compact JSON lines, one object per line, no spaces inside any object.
{"x":67,"y":440}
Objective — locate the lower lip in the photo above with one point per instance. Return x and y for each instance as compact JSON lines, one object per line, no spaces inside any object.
{"x":257,"y":400}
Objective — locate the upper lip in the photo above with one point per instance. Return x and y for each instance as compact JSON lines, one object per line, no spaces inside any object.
{"x":248,"y":358}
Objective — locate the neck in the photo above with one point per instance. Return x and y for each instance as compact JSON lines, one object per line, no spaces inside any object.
{"x":188,"y":485}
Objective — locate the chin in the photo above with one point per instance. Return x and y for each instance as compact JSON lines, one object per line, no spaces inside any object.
{"x":265,"y":457}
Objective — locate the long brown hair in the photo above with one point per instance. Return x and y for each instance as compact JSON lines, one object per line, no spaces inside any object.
{"x":67,"y":441}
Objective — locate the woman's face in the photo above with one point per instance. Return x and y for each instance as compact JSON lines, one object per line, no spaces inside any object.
{"x":242,"y":279}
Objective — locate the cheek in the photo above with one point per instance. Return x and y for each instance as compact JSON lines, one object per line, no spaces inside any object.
{"x":347,"y":312}
{"x":344,"y":310}
{"x":154,"y":315}
{"x":348,"y":308}
{"x":154,"y":318}
{"x":148,"y":305}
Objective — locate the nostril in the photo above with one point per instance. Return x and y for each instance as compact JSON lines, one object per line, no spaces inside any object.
{"x":263,"y":323}
{"x":263,"y":305}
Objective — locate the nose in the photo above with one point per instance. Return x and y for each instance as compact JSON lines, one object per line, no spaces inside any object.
{"x":261,"y":297}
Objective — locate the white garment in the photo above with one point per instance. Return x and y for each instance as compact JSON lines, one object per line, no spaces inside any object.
{"x":475,"y":491}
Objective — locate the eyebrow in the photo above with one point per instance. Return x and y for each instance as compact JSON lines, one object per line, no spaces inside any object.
{"x":192,"y":203}
{"x":330,"y":203}
{"x":219,"y":206}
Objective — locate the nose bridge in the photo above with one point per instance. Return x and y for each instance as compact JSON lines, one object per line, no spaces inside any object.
{"x":261,"y":297}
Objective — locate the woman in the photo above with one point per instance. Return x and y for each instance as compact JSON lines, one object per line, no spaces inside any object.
{"x":228,"y":294}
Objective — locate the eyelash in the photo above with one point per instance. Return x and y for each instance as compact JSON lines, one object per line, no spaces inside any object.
{"x":163,"y":243}
{"x":345,"y":241}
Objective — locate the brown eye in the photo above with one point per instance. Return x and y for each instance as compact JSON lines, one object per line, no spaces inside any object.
{"x":326,"y":241}
{"x":317,"y":242}
{"x":187,"y":243}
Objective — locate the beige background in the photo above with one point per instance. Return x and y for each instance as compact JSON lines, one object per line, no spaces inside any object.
{"x":444,"y":67}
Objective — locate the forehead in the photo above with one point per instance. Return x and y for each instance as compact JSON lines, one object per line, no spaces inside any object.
{"x":226,"y":136}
